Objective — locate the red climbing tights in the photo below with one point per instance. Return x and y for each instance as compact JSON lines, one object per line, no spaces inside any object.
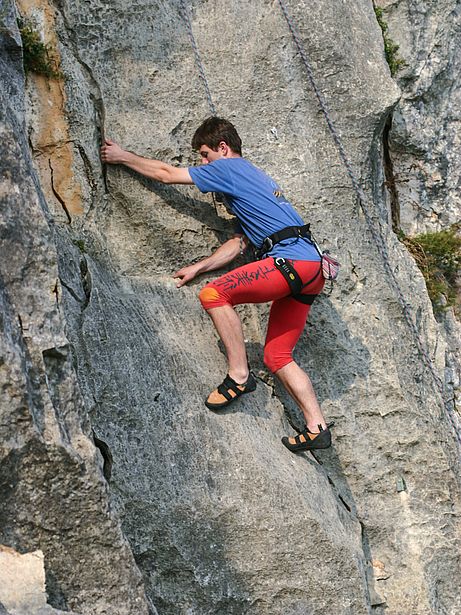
{"x":260,"y":282}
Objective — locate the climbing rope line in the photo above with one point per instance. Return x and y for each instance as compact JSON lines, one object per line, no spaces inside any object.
{"x":198,"y":59}
{"x":376,"y":233}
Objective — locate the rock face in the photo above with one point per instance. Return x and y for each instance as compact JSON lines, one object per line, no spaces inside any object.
{"x":54,"y":497}
{"x":219,"y":517}
{"x":425,"y":137}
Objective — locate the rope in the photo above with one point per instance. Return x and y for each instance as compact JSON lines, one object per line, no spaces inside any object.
{"x":376,"y":233}
{"x":198,"y":61}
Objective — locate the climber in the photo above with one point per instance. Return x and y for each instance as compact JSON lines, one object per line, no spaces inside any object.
{"x":271,"y":224}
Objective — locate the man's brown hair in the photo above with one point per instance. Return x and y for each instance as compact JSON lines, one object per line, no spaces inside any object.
{"x":214,"y":130}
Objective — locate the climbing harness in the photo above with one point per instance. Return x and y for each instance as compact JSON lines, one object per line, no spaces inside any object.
{"x":288,"y":232}
{"x":294,"y":281}
{"x":376,"y":233}
{"x":329,"y":266}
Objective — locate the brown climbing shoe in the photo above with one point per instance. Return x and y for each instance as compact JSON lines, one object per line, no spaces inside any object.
{"x":308,"y":441}
{"x":229,"y":390}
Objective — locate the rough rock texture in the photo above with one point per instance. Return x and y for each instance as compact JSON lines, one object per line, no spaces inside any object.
{"x":425,"y":136}
{"x":424,"y":141}
{"x":53,"y":494}
{"x":219,"y":516}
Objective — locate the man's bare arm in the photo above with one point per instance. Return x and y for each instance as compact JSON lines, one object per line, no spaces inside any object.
{"x":220,"y":257}
{"x":112,"y":153}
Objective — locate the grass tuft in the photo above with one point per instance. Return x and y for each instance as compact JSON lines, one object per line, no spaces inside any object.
{"x":37,"y":56}
{"x":80,"y":245}
{"x":438,"y":255}
{"x":390,"y":48}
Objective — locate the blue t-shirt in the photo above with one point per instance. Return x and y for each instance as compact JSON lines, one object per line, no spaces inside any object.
{"x":258,"y":203}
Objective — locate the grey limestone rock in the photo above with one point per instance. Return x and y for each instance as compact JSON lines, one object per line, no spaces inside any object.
{"x":219,"y":517}
{"x":53,"y":494}
{"x":424,"y":138}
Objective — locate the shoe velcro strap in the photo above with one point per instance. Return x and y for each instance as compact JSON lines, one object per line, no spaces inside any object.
{"x":229,"y":384}
{"x":305,"y":434}
{"x":224,"y":391}
{"x":297,"y":438}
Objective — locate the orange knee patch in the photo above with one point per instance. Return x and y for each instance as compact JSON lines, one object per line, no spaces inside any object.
{"x":209,"y":296}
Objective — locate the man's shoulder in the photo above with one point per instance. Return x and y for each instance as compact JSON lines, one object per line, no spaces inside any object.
{"x":231,"y":161}
{"x":225,"y":165}
{"x":235,"y":163}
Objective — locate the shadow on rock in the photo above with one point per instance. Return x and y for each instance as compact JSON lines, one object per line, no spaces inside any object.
{"x":331,"y":356}
{"x":202,"y":211}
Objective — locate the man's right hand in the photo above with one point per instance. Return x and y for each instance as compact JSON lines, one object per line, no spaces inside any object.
{"x":111,"y":153}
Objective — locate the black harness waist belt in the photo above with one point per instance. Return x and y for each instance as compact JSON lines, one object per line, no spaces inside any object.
{"x":284,"y":266}
{"x":286,"y":233}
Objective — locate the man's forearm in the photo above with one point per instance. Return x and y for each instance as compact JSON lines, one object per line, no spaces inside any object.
{"x":112,"y":153}
{"x":221,"y":257}
{"x":155,"y":169}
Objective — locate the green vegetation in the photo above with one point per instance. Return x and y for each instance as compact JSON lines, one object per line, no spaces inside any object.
{"x":80,"y":244}
{"x":38,"y":57}
{"x":390,"y":48}
{"x":438,"y":255}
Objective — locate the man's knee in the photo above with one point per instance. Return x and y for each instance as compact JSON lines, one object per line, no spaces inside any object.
{"x":210,"y":297}
{"x":275,"y":359}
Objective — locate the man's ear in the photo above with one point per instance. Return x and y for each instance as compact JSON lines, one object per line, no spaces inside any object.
{"x":223,"y":147}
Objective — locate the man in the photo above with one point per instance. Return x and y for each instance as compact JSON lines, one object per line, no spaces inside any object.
{"x":262,"y":212}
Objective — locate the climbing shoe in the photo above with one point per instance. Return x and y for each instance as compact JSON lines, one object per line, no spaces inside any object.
{"x":308,"y":441}
{"x":229,"y":390}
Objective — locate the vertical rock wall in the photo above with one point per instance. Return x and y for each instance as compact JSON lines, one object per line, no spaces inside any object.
{"x":53,"y":494}
{"x":219,"y":516}
{"x":425,"y":138}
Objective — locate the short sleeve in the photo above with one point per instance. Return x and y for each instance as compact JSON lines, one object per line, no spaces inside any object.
{"x":212,"y":177}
